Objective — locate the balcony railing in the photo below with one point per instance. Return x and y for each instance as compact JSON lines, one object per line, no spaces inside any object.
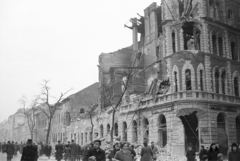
{"x":182,"y":95}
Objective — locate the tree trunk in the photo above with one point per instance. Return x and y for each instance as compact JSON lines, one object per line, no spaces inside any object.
{"x":48,"y":130}
{"x":91,"y":128}
{"x":113,"y":125}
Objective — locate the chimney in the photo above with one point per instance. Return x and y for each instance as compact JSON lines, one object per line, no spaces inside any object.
{"x":135,"y":34}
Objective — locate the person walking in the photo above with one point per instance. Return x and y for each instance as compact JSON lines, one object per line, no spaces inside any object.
{"x":96,"y":153}
{"x":73,"y":152}
{"x":48,"y":150}
{"x":67,"y":151}
{"x":131,"y":150}
{"x":234,"y":154}
{"x":213,"y":152}
{"x":116,"y":148}
{"x":146,"y":152}
{"x":154,"y":151}
{"x":124,"y":154}
{"x":29,"y":152}
{"x":202,"y":152}
{"x":59,"y":151}
{"x":9,"y":149}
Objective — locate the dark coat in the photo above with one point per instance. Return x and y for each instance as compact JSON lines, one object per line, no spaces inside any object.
{"x":212,"y":155}
{"x":59,"y":151}
{"x":48,"y":150}
{"x":190,"y":155}
{"x":123,"y":156}
{"x":202,"y":153}
{"x":146,"y":154}
{"x":132,"y":151}
{"x":74,"y":150}
{"x":99,"y":155}
{"x":154,"y":150}
{"x":112,"y":154}
{"x":234,"y":156}
{"x":29,"y":153}
{"x":9,"y":150}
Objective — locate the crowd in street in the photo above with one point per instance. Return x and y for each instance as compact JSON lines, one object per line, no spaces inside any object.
{"x":121,"y":151}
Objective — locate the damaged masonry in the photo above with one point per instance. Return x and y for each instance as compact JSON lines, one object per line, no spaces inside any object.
{"x":177,"y":86}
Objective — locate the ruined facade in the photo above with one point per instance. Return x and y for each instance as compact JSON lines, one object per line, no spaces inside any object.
{"x":189,"y":54}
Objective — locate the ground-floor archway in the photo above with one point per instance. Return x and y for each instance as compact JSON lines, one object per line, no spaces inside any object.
{"x":191,"y":134}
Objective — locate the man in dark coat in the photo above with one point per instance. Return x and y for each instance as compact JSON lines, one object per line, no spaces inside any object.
{"x":9,"y":150}
{"x":29,"y":152}
{"x":59,"y":151}
{"x":3,"y":147}
{"x":74,"y":151}
{"x":48,"y":150}
{"x":95,"y":154}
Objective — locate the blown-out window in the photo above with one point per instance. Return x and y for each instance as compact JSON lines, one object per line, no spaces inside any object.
{"x":162,"y":130}
{"x":188,"y":79}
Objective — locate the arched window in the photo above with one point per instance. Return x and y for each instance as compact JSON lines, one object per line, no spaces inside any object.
{"x":211,"y":8}
{"x":222,"y":135}
{"x":214,"y":44}
{"x":175,"y":82}
{"x":230,"y":17}
{"x":217,"y":81}
{"x":116,"y":129}
{"x":218,"y":12}
{"x":223,"y":77}
{"x":101,"y":130}
{"x":233,"y":51}
{"x":108,"y":128}
{"x":162,"y":130}
{"x":86,"y":136}
{"x":145,"y":129}
{"x":124,"y":131}
{"x":135,"y":131}
{"x":173,"y":42}
{"x":188,"y":79}
{"x":238,"y":129}
{"x":236,"y":86}
{"x":201,"y":80}
{"x":220,"y":46}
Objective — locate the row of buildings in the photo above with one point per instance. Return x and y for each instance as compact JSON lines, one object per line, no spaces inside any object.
{"x":179,"y":85}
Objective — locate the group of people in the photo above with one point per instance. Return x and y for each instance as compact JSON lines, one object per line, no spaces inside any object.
{"x":44,"y":149}
{"x":214,"y":154}
{"x":11,"y":148}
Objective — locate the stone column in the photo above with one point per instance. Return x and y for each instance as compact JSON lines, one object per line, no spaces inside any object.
{"x":229,"y":79}
{"x":202,"y":8}
{"x":226,"y":52}
{"x":205,"y":38}
{"x":135,"y":34}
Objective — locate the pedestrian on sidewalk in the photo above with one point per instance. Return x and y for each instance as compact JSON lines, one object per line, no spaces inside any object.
{"x":124,"y":154}
{"x":59,"y":151}
{"x":96,"y":153}
{"x":9,"y":150}
{"x":29,"y":152}
{"x":146,"y":152}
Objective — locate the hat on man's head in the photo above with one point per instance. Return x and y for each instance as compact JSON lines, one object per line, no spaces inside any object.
{"x":29,"y":140}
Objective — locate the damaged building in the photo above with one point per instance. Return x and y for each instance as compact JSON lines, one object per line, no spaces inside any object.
{"x":184,"y":84}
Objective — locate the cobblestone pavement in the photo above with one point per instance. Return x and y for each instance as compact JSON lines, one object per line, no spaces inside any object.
{"x":3,"y":157}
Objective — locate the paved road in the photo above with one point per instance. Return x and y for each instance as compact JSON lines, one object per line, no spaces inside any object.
{"x":3,"y":157}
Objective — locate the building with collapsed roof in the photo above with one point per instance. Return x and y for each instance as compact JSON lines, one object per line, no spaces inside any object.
{"x":185,"y":86}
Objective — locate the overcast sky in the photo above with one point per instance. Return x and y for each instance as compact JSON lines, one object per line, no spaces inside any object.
{"x":60,"y":41}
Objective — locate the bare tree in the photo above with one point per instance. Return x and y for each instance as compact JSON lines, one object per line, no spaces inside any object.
{"x":29,"y":113}
{"x":125,"y":83}
{"x":89,"y":113}
{"x":49,"y":109}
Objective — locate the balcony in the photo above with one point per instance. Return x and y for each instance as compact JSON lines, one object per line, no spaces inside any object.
{"x":181,"y":96}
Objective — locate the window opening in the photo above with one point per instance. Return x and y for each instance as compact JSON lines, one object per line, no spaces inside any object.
{"x":201,"y":80}
{"x":236,"y":86}
{"x":222,"y":136}
{"x":188,"y":79}
{"x":116,"y":129}
{"x":135,"y":131}
{"x":175,"y":82}
{"x":220,"y":46}
{"x":233,"y":51}
{"x":162,"y":131}
{"x":214,"y":44}
{"x":191,"y":36}
{"x":173,"y":42}
{"x":223,"y":76}
{"x":217,"y":81}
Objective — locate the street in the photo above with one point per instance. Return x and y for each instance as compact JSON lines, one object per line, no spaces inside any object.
{"x":3,"y":157}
